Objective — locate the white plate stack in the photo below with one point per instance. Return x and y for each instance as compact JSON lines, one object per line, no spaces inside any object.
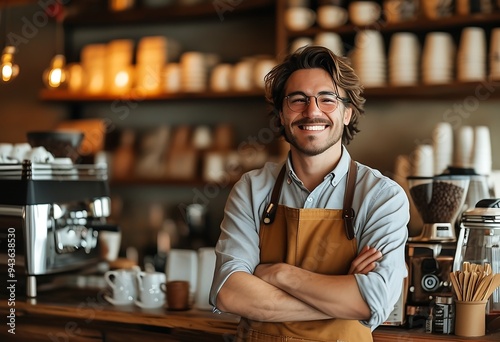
{"x":368,"y":58}
{"x":471,"y":59}
{"x":494,"y":54}
{"x":438,"y":58}
{"x":404,"y":59}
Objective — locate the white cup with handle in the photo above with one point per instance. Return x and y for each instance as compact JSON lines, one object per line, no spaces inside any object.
{"x":39,"y":155}
{"x":19,"y":150}
{"x":150,"y":292}
{"x":123,"y":286}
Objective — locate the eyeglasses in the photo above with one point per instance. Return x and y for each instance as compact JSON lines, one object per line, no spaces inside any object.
{"x":326,"y":102}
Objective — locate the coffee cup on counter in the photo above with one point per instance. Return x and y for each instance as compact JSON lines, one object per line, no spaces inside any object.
{"x":177,"y":294}
{"x":123,"y":286}
{"x":109,"y":241}
{"x":150,"y":291}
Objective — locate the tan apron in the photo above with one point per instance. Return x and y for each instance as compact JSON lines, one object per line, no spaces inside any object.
{"x":319,"y":240}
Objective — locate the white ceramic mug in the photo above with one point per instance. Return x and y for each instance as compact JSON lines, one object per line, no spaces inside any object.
{"x":364,"y":12}
{"x":330,"y":16}
{"x":220,"y":78}
{"x":39,"y":155}
{"x":299,"y":18}
{"x":241,"y":75}
{"x":109,"y":242}
{"x":19,"y":151}
{"x":330,"y":40}
{"x":150,"y":292}
{"x":123,"y":285}
{"x":261,"y":69}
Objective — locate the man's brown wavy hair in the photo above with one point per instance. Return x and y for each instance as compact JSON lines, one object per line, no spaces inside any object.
{"x":310,"y":57}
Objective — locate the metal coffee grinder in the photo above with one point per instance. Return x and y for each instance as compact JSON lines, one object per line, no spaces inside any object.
{"x":439,"y":201}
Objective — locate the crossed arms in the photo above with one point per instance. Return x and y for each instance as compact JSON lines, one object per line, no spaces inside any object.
{"x":282,"y":292}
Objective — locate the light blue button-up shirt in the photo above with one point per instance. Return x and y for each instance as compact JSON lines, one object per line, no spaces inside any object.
{"x":381,"y":216}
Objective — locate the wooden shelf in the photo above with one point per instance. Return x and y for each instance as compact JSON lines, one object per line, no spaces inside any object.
{"x":57,"y":95}
{"x":438,"y":91}
{"x":82,"y":15}
{"x":420,"y":25}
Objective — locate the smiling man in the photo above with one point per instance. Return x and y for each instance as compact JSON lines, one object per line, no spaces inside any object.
{"x":312,"y":249}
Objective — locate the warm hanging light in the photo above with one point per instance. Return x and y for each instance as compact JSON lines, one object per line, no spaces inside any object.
{"x":55,"y":75}
{"x":8,"y":68}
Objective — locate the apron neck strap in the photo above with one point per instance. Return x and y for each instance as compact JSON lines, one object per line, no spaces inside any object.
{"x":270,"y":211}
{"x":347,"y":211}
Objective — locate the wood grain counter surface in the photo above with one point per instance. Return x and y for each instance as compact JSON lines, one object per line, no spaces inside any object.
{"x":83,"y":316}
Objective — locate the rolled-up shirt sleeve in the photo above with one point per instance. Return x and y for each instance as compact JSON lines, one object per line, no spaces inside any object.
{"x":383,"y":225}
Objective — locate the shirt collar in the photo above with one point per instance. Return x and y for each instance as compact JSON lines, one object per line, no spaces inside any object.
{"x":336,"y":174}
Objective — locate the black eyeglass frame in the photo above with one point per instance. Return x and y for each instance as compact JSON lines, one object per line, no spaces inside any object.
{"x":308,"y":97}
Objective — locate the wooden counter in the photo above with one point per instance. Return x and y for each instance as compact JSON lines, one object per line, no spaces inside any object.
{"x":85,"y":316}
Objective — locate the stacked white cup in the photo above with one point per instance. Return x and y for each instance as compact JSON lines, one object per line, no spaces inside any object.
{"x":368,"y":58}
{"x":119,"y":70}
{"x":195,"y":69}
{"x":404,"y":54}
{"x":438,"y":58}
{"x":193,"y":72}
{"x":494,"y":54}
{"x":442,"y":142}
{"x":93,"y":61}
{"x":471,"y":59}
{"x":153,"y":52}
{"x":220,"y":78}
{"x":481,"y":157}
{"x":464,"y":147}
{"x":172,"y":78}
{"x":423,"y":161}
{"x":299,"y":43}
{"x":330,"y":40}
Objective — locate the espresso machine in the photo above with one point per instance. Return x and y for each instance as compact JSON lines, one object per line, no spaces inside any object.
{"x":50,"y":218}
{"x":439,"y":201}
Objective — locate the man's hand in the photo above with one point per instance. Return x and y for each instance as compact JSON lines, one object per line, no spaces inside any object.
{"x":365,"y":261}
